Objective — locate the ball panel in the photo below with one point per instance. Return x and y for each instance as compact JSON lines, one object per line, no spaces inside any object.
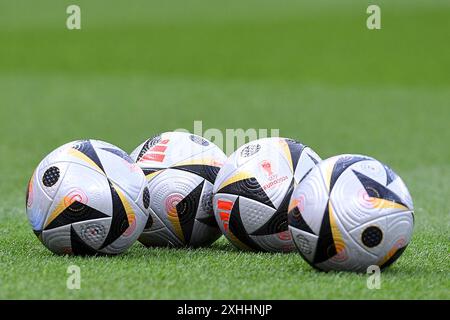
{"x":293,"y":150}
{"x":279,"y":242}
{"x":207,"y":172}
{"x":78,"y":245}
{"x":270,"y":170}
{"x":178,"y":148}
{"x":126,"y":175}
{"x":75,"y":212}
{"x":311,"y":199}
{"x":357,"y":197}
{"x":81,"y":186}
{"x":227,"y":213}
{"x":398,"y":235}
{"x":85,"y":151}
{"x":58,"y":240}
{"x":256,"y":214}
{"x":92,"y":232}
{"x":342,"y":164}
{"x":367,"y":219}
{"x":88,"y":211}
{"x":344,"y":253}
{"x":225,"y":173}
{"x":129,"y":236}
{"x":203,"y":234}
{"x":248,"y":188}
{"x":261,"y":173}
{"x":205,"y":209}
{"x":38,"y":204}
{"x":47,"y":176}
{"x":305,"y":242}
{"x":361,"y":234}
{"x":123,"y":216}
{"x":186,"y":211}
{"x":307,"y":161}
{"x":330,"y":241}
{"x":167,"y":190}
{"x":236,"y":231}
{"x":181,"y":169}
{"x":162,"y":237}
{"x":399,"y":188}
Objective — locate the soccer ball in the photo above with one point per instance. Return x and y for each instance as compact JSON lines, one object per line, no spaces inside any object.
{"x":349,"y":213}
{"x":180,"y":169}
{"x":87,"y":197}
{"x":253,"y":189}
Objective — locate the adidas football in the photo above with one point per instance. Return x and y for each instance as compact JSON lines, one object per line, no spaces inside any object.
{"x":253,"y":189}
{"x":349,"y":213}
{"x":181,"y":169}
{"x":87,"y":197}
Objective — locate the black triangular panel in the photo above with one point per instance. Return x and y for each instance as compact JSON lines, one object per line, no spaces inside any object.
{"x":76,"y":212}
{"x":88,"y":150}
{"x":296,"y":220}
{"x":278,"y":222}
{"x":237,"y":228}
{"x":209,"y":221}
{"x":248,"y":188}
{"x":340,"y":166}
{"x":119,"y":221}
{"x":325,"y":244}
{"x":120,"y":154}
{"x":391,"y":176}
{"x":206,"y":172}
{"x":79,"y":247}
{"x":187,"y":210}
{"x":296,"y":149}
{"x":149,"y":223}
{"x":377,"y":190}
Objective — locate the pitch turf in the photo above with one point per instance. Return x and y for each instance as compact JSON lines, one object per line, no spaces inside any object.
{"x":312,"y":70}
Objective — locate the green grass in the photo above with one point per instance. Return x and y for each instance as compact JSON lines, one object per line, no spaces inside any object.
{"x":312,"y":70}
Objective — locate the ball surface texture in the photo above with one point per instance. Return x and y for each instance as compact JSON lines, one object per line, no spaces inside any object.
{"x":86,"y":198}
{"x":351,"y":212}
{"x":180,"y":169}
{"x":253,"y":189}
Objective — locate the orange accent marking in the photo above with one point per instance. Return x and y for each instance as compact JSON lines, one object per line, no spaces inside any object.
{"x":293,"y":204}
{"x":158,"y":148}
{"x":165,"y":141}
{"x":224,"y":205}
{"x":154,"y":157}
{"x":224,"y":216}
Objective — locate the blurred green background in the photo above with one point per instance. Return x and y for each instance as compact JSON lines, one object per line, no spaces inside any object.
{"x":309,"y":68}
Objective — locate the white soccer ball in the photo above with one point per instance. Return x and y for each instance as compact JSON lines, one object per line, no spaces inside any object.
{"x":253,"y":189}
{"x":181,"y":169}
{"x":87,"y":197}
{"x":349,"y":213}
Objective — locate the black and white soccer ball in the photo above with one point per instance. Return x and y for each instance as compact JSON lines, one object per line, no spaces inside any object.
{"x":253,"y":189}
{"x":181,"y":169}
{"x":349,"y":213}
{"x":87,"y":197}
